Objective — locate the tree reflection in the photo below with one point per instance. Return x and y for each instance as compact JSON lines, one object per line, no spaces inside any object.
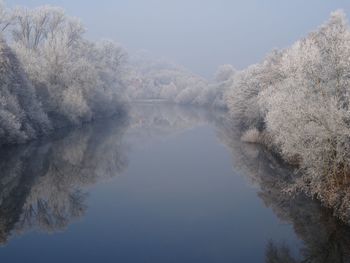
{"x":154,"y":120}
{"x":43,"y":184}
{"x":325,"y":238}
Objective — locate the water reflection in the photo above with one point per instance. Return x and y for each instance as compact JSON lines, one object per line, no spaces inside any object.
{"x":325,"y":238}
{"x":43,"y":184}
{"x":157,"y":120}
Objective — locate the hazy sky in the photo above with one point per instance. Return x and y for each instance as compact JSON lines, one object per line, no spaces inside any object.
{"x":200,"y":34}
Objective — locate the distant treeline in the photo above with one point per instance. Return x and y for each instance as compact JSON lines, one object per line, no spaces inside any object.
{"x":149,"y":78}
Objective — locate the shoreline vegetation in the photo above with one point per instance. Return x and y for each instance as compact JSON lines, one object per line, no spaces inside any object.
{"x":51,"y":76}
{"x":295,"y":102}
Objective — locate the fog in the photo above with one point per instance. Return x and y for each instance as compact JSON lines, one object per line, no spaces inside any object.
{"x":199,"y":34}
{"x":273,"y":79}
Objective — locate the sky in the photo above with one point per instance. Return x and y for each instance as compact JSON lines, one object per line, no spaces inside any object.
{"x":199,"y":34}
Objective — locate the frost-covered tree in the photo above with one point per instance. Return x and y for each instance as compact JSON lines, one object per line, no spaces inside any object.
{"x":308,"y":113}
{"x":242,"y":99}
{"x":51,"y":76}
{"x":108,"y":60}
{"x":35,"y":27}
{"x":76,"y":80}
{"x":224,"y":73}
{"x":21,"y":115}
{"x":48,"y":39}
{"x":6,"y":17}
{"x":298,"y":98}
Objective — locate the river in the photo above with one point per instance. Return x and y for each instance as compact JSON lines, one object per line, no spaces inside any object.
{"x":164,"y":184}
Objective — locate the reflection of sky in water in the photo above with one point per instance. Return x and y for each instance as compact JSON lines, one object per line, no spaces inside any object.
{"x":177,"y":199}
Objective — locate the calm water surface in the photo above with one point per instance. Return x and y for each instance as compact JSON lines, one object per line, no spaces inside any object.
{"x":166,"y":184}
